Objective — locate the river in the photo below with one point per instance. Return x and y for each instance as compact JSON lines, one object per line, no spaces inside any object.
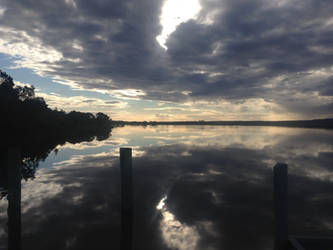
{"x":195,"y":187}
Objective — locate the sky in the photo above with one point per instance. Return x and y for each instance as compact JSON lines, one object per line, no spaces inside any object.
{"x":174,"y":59}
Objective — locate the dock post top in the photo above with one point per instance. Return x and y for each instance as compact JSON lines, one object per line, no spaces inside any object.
{"x":125,"y":150}
{"x":280,"y":167}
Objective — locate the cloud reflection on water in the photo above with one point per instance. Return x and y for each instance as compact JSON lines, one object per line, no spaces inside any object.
{"x":175,"y":234}
{"x":216,"y":188}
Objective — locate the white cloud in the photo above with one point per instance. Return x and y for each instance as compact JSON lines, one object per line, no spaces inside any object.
{"x":31,"y":52}
{"x":128,"y":94}
{"x":81,"y":102}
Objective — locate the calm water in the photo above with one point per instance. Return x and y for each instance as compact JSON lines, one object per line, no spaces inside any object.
{"x":195,"y":187}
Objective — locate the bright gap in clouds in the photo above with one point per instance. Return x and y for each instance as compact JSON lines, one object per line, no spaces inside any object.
{"x":174,"y":12}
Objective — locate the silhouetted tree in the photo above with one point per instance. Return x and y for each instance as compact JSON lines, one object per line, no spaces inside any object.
{"x":28,"y":122}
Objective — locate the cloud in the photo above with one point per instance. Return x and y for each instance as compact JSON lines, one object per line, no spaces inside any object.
{"x":80,"y":102}
{"x":231,"y":51}
{"x":247,"y":109}
{"x":93,"y":144}
{"x":38,"y":190}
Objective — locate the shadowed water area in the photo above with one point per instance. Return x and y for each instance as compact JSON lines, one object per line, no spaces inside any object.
{"x":195,"y":187}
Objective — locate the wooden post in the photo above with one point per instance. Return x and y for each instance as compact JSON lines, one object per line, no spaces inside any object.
{"x":14,"y":199}
{"x":126,"y":198}
{"x":281,"y":206}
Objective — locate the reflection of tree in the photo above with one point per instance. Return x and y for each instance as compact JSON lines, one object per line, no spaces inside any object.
{"x":28,"y":123}
{"x":29,"y":167}
{"x":3,"y":172}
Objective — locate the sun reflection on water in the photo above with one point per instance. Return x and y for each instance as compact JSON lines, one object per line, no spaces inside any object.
{"x":176,"y":235}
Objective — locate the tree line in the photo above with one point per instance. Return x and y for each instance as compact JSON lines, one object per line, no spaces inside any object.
{"x":27,"y":122}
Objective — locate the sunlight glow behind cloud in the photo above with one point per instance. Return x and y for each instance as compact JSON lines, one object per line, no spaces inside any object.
{"x":175,"y":12}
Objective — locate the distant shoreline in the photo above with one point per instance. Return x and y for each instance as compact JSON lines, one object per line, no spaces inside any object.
{"x":316,"y":123}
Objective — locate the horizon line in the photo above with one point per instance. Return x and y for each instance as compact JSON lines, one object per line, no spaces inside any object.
{"x":207,"y":121}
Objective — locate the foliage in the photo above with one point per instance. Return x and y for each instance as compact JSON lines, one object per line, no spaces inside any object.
{"x":27,"y":122}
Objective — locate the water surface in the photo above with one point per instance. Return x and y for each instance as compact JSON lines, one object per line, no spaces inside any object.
{"x":195,"y":187}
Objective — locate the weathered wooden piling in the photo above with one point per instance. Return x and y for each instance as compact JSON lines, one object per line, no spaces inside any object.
{"x":126,"y":198}
{"x":281,"y":206}
{"x":14,"y":198}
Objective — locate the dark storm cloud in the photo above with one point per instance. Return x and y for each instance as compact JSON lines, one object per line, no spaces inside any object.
{"x":116,"y":39}
{"x":243,"y":47}
{"x":254,"y":42}
{"x":277,"y":38}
